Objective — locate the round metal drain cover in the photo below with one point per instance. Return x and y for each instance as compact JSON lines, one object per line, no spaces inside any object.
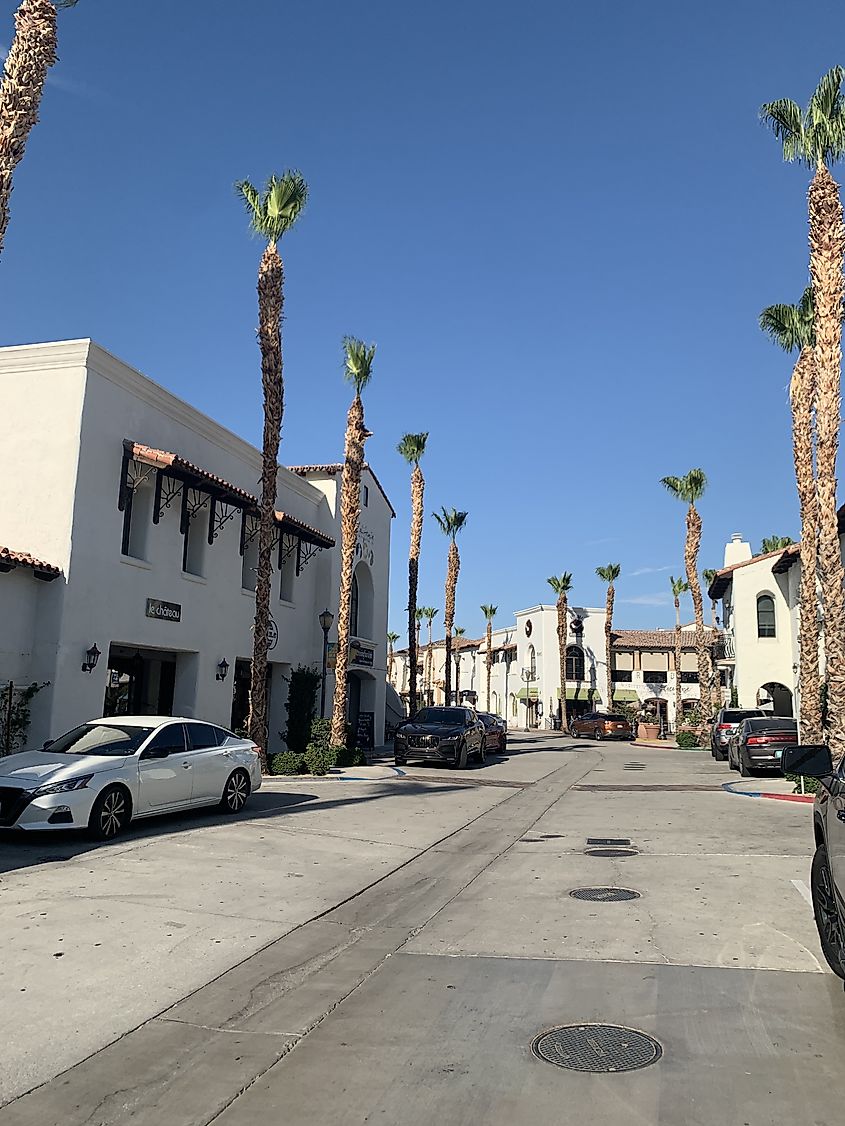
{"x":605,"y":895}
{"x":597,"y":1048}
{"x":610,"y":851}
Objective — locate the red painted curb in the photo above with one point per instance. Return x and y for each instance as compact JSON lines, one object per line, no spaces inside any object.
{"x":790,"y":797}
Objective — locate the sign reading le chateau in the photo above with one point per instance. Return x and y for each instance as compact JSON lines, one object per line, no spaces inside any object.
{"x":168,"y":611}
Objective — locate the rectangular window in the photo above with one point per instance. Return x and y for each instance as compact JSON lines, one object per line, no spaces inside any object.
{"x":287,"y":577}
{"x":654,"y":676}
{"x":365,"y":496}
{"x":689,"y":677}
{"x":622,"y":676}
{"x":137,"y":517}
{"x":193,"y":548}
{"x":249,"y":564}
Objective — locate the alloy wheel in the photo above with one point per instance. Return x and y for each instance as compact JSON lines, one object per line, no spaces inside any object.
{"x":827,"y":913}
{"x":237,"y":791}
{"x":112,"y":814}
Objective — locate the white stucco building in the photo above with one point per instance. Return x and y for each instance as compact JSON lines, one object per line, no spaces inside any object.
{"x":143,"y":511}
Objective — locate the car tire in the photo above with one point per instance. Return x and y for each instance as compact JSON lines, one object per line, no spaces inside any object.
{"x":744,"y":768}
{"x":461,"y":757}
{"x":397,"y":761}
{"x":828,"y":921}
{"x":110,"y":814}
{"x":598,"y":734}
{"x":719,"y":755}
{"x":482,"y":752}
{"x":235,"y":792}
{"x":503,"y":745}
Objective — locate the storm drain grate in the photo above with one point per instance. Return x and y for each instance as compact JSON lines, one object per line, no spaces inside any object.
{"x":608,"y":840}
{"x":634,"y":766}
{"x":605,"y":895}
{"x":610,"y":852}
{"x":597,"y":1048}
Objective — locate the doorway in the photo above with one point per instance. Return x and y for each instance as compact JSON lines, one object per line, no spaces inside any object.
{"x":139,"y":682}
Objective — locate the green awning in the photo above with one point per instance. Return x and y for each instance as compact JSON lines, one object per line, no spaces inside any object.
{"x":581,"y":692}
{"x":535,"y":692}
{"x":625,"y":695}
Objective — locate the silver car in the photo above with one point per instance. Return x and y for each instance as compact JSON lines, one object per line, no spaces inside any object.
{"x":108,"y":772}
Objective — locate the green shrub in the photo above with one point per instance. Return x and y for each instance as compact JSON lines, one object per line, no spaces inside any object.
{"x":321,"y":732}
{"x":687,"y":739}
{"x":320,"y":760}
{"x":300,"y":706}
{"x":289,"y":762}
{"x":350,"y":756}
{"x":811,"y":785}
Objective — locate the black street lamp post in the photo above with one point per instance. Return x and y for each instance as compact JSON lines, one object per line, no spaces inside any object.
{"x":326,"y":619}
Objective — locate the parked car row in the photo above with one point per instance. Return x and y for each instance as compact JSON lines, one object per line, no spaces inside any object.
{"x":451,"y":735}
{"x":750,"y":739}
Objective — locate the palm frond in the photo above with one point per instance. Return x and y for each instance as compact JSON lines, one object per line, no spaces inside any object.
{"x":774,"y":543}
{"x":357,"y":362}
{"x":826,"y":102}
{"x":419,"y":613}
{"x":65,"y":4}
{"x":688,"y":488}
{"x":412,"y":447}
{"x":610,"y":573}
{"x":679,"y":586}
{"x":561,"y":584}
{"x":785,"y":120}
{"x":489,"y":611}
{"x":450,"y":521}
{"x":459,"y":631}
{"x":709,"y":574}
{"x":274,"y":211}
{"x":392,"y":637}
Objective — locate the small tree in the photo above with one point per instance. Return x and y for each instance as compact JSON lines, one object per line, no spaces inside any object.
{"x":301,"y":706}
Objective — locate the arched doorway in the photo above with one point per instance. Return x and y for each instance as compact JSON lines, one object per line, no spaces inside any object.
{"x":775,"y":698}
{"x":362,"y":602}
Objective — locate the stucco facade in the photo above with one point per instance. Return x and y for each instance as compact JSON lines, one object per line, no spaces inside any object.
{"x":142,"y":502}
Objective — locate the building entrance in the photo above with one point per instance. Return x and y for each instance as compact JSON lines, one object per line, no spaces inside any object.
{"x":139,"y":682}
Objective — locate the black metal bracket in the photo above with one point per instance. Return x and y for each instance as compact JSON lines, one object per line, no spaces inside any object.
{"x":220,"y":513}
{"x":307,"y":551}
{"x":193,"y":501}
{"x":167,"y":490}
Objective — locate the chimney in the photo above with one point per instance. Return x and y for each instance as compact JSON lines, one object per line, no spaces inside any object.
{"x":737,"y":551}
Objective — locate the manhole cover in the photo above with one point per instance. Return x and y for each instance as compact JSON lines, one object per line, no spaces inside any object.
{"x":610,"y":851}
{"x":608,"y":840}
{"x":597,"y":1048}
{"x":605,"y":895}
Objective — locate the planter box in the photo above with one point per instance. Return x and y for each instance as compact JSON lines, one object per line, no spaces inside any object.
{"x":648,"y":731}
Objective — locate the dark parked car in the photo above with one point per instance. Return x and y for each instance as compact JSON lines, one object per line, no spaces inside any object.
{"x":495,"y":731}
{"x":451,"y":735}
{"x":758,"y":744}
{"x":827,"y":874}
{"x":601,"y":725}
{"x":725,"y":724}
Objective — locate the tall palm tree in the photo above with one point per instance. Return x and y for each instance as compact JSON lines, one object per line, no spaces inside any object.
{"x":272,"y":213}
{"x":679,"y":587}
{"x":774,"y":543}
{"x":690,"y":489}
{"x":709,"y":575}
{"x":450,"y":522}
{"x":429,"y":613}
{"x":562,"y":585}
{"x":459,"y":632}
{"x":392,"y":638}
{"x":357,"y":370}
{"x":32,"y":53}
{"x":815,"y":137}
{"x":609,"y":575}
{"x":412,"y":448}
{"x":489,"y":613}
{"x":791,"y":327}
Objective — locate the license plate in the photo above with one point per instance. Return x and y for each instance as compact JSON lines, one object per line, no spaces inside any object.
{"x":779,"y":752}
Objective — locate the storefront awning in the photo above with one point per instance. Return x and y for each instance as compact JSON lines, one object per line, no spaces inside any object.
{"x":582,"y":692}
{"x":625,"y":695}
{"x":535,"y":693}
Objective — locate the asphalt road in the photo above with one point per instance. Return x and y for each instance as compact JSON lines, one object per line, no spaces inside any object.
{"x":388,"y":950}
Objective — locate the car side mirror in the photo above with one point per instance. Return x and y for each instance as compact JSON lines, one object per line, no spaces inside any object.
{"x":47,"y":744}
{"x":813,"y":760}
{"x":157,"y":752}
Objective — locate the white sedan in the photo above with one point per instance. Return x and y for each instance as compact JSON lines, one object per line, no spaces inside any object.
{"x":108,"y":772}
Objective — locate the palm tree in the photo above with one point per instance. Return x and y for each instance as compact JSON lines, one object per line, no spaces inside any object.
{"x":450,"y":522}
{"x":609,"y":575}
{"x":272,"y":213}
{"x":562,"y":585}
{"x":774,"y":543}
{"x":489,"y":613}
{"x":412,"y":448}
{"x":709,"y":575}
{"x":689,"y":489}
{"x":679,"y":587}
{"x":392,"y":638}
{"x":791,"y":327}
{"x":429,"y":613}
{"x":816,"y":138}
{"x":32,"y":53}
{"x":357,"y":370}
{"x":459,"y":632}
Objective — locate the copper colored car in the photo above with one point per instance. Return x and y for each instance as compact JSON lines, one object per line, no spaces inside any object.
{"x":601,"y":725}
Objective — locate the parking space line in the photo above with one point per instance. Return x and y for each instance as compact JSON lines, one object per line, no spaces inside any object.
{"x":803,"y":890}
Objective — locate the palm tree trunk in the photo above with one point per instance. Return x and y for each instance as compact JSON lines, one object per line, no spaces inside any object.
{"x":801,"y":394}
{"x":608,"y":645}
{"x":679,"y":708}
{"x":417,"y":493}
{"x":490,"y":660}
{"x":270,"y":301}
{"x":562,"y":627}
{"x":350,"y":511}
{"x":31,"y":55}
{"x":429,"y":667}
{"x":691,"y":549}
{"x":827,"y":242}
{"x":390,"y":663}
{"x":457,"y":682}
{"x":452,"y":569}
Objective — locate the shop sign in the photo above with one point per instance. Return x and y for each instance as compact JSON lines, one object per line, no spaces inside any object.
{"x":166,"y":611}
{"x":364,"y":729}
{"x":272,"y":634}
{"x":360,"y":655}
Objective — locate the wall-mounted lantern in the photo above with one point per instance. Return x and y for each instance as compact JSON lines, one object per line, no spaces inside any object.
{"x":222,"y":669}
{"x":92,"y":655}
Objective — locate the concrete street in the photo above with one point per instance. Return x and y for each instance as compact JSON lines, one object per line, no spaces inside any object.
{"x":386,"y":950}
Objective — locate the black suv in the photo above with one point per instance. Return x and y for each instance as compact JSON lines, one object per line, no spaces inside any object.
{"x":451,"y":735}
{"x":827,"y":875}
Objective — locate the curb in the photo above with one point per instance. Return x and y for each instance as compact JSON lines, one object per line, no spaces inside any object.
{"x":728,"y":787}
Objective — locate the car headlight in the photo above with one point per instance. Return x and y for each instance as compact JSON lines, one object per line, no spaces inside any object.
{"x":63,"y":787}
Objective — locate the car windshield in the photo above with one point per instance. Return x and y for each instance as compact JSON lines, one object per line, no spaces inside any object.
{"x":772,"y":724}
{"x":615,"y":718}
{"x":100,"y":739}
{"x":440,"y":715}
{"x":738,"y":717}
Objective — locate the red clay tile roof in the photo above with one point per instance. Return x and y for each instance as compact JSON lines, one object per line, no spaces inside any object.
{"x":335,"y":468}
{"x":163,"y":459}
{"x":10,"y":559}
{"x":650,"y":639}
{"x":720,"y":583}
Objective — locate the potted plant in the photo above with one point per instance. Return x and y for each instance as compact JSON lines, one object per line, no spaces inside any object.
{"x":649,"y":726}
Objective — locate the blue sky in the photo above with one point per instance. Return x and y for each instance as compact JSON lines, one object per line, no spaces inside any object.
{"x":558,"y":221}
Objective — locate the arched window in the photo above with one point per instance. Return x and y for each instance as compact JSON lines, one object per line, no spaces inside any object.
{"x":765,"y":615}
{"x":574,"y":662}
{"x":353,"y":609}
{"x":494,"y":703}
{"x":532,"y":662}
{"x":514,"y":708}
